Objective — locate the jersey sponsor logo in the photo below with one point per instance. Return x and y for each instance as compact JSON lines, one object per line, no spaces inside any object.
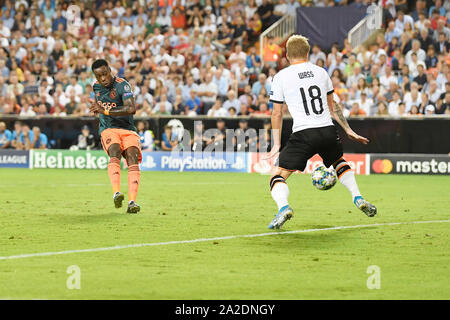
{"x":113,"y":94}
{"x":127,"y":94}
{"x":108,"y":105}
{"x":306,"y":74}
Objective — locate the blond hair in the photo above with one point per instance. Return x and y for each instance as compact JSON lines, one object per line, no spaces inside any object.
{"x":297,"y":47}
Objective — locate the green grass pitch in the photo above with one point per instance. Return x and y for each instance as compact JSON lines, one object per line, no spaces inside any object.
{"x":59,"y":210}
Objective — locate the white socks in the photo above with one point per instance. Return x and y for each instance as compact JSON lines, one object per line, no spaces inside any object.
{"x":280,"y":193}
{"x":348,"y":180}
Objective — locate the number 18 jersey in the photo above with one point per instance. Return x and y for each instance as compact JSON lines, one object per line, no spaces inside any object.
{"x":304,"y":87}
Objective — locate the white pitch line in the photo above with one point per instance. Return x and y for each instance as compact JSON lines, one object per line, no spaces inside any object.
{"x":138,"y":245}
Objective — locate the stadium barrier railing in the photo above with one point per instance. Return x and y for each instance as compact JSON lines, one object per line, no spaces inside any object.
{"x":365,"y":29}
{"x":280,"y":31}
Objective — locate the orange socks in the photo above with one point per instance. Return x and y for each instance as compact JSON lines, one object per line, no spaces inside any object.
{"x":134,"y":177}
{"x":114,"y":173}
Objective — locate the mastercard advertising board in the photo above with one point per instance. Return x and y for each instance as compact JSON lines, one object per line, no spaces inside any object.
{"x":358,"y":162}
{"x":410,"y":164}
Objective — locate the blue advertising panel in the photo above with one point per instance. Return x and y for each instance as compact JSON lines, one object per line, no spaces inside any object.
{"x":14,"y":159}
{"x":195,"y":161}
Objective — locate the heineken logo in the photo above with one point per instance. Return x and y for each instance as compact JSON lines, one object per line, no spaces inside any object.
{"x":69,"y":159}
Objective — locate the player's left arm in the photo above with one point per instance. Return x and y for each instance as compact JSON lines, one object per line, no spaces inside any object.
{"x":336,"y":113}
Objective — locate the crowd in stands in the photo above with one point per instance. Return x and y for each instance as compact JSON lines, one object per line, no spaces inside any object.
{"x":200,"y":57}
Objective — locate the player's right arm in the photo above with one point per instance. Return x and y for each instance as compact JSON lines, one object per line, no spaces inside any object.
{"x":277,"y":123}
{"x":128,"y":107}
{"x":277,"y":98}
{"x":336,"y":113}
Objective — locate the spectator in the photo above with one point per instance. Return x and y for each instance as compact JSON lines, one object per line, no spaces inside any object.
{"x":431,"y":59}
{"x":263,"y":111}
{"x":178,"y":18}
{"x":163,"y":107}
{"x":421,"y":78}
{"x":217,"y":111}
{"x":261,"y":83}
{"x":193,"y":104}
{"x":235,"y":58}
{"x":402,"y":110}
{"x":356,"y":110}
{"x":424,"y":104}
{"x":244,"y":140}
{"x":316,"y":54}
{"x":232,"y":112}
{"x":414,"y":111}
{"x":169,"y":139}
{"x":78,"y":89}
{"x":392,"y":31}
{"x":224,"y":39}
{"x":366,"y":104}
{"x":430,"y":110}
{"x":243,"y":110}
{"x":35,"y":139}
{"x":393,"y":105}
{"x":232,"y":101}
{"x":217,"y":142}
{"x":85,"y":140}
{"x":253,"y":62}
{"x":265,"y":11}
{"x":433,"y":92}
{"x":178,"y":107}
{"x":207,"y":92}
{"x":382,"y":110}
{"x":146,"y":135}
{"x":272,"y":52}
{"x":443,"y":105}
{"x":420,"y":53}
{"x":413,"y":97}
{"x":443,"y":44}
{"x":403,"y":18}
{"x":27,"y":110}
{"x":5,"y":136}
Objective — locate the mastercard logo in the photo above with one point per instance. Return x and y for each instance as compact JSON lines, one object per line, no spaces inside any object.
{"x":382,"y":166}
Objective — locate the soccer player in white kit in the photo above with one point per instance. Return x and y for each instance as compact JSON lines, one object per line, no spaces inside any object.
{"x":308,"y":92}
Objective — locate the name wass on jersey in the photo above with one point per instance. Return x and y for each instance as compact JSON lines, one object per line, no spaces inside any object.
{"x":304,"y":87}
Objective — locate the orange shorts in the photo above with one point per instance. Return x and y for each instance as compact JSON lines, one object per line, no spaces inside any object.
{"x":124,"y":138}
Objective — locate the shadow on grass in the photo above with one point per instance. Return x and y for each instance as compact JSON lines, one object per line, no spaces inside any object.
{"x":324,"y":239}
{"x":90,"y":217}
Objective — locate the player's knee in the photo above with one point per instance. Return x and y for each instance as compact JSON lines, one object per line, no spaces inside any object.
{"x":341,"y":166}
{"x":283,"y":173}
{"x":276,"y":179}
{"x":114,"y":151}
{"x":132,"y":155}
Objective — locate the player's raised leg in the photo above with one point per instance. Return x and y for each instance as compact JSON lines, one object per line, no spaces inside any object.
{"x":346,"y":177}
{"x":114,"y":173}
{"x":134,"y":178}
{"x":280,"y":194}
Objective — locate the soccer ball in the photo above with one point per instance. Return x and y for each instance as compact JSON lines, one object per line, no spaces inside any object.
{"x":324,"y":178}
